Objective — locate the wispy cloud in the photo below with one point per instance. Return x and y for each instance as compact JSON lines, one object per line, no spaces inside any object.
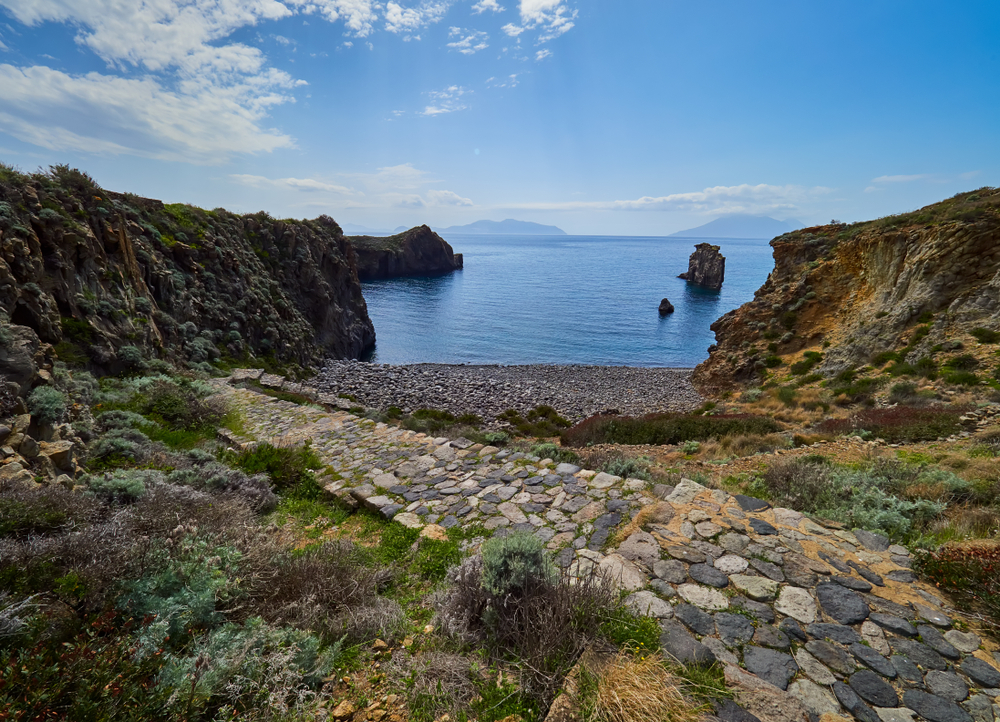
{"x":542,"y":54}
{"x":399,"y":19}
{"x":306,"y":185}
{"x":745,"y":198}
{"x":509,"y":82}
{"x":484,"y":5}
{"x":448,"y":100}
{"x":551,"y":18}
{"x":900,"y":178}
{"x":467,"y":42}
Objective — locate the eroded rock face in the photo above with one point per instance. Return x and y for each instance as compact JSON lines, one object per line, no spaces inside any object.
{"x":98,"y":271}
{"x":666,"y":307}
{"x":850,"y":292}
{"x":706,"y":267}
{"x":416,"y":252}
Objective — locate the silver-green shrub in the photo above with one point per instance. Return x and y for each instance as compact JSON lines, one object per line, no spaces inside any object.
{"x":514,"y":563}
{"x":47,"y":404}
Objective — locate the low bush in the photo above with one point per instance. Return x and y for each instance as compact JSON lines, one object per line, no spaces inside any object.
{"x":554,"y":452}
{"x":289,"y":467}
{"x":540,"y":422}
{"x":899,"y":424}
{"x":858,"y":390}
{"x":47,"y":405}
{"x":513,"y":564}
{"x":985,"y":335}
{"x":809,"y":360}
{"x":660,"y":429}
{"x":969,"y":571}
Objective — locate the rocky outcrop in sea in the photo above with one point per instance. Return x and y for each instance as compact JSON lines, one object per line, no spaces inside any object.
{"x":416,"y":252}
{"x":706,"y":266}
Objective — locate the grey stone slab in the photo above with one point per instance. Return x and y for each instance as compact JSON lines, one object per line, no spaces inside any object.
{"x":918,"y":653}
{"x":873,"y":660}
{"x":679,"y":644}
{"x":769,"y":636}
{"x":947,"y":685}
{"x":873,"y":689}
{"x":842,"y":604}
{"x":708,"y":575}
{"x":769,"y":570}
{"x":793,"y":629}
{"x":835,"y":563}
{"x":849,"y":698}
{"x":733,"y":629}
{"x":837,"y":632}
{"x":871,"y":540}
{"x":749,"y":503}
{"x":670,"y":570}
{"x":763,"y":528}
{"x":934,"y":708}
{"x":894,"y":624}
{"x":695,"y":619}
{"x":980,"y":672}
{"x":905,"y":668}
{"x":760,"y":611}
{"x":832,"y":656}
{"x":932,"y":637}
{"x":858,"y":585}
{"x":777,"y":668}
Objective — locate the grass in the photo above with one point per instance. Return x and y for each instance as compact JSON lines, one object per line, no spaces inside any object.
{"x":636,"y":688}
{"x":281,"y":395}
{"x":289,"y":467}
{"x":659,"y":429}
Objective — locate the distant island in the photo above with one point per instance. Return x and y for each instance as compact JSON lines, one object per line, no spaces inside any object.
{"x":508,"y":227}
{"x":741,"y":225}
{"x":353,"y":229}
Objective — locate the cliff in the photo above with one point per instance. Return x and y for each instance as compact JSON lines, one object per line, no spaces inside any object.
{"x":906,"y":289}
{"x":110,"y":278}
{"x":416,"y":252}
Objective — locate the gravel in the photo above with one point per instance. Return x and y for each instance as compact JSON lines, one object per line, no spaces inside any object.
{"x":576,"y":392}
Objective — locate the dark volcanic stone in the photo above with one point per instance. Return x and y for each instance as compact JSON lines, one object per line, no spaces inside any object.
{"x":799,"y":574}
{"x":686,"y":554}
{"x":867,"y":574}
{"x":670,"y":570}
{"x":598,"y":538}
{"x":748,"y":503}
{"x":759,"y":610}
{"x":870,"y":658}
{"x":565,"y":557}
{"x":933,"y":638}
{"x":728,"y":711}
{"x":858,"y":585}
{"x":733,"y":629}
{"x":762,"y":527}
{"x":448,"y":522}
{"x":399,"y":489}
{"x":895,"y":624}
{"x":617,"y":505}
{"x":832,"y":656}
{"x":873,"y":689}
{"x":934,"y":708}
{"x":842,"y":604}
{"x":903,"y":576}
{"x":697,"y":620}
{"x":905,"y":668}
{"x":947,"y":685}
{"x":678,"y":643}
{"x":390,"y":510}
{"x":981,"y":673}
{"x":768,"y":636}
{"x":871,"y":540}
{"x":793,"y":629}
{"x":836,"y":632}
{"x":708,"y":575}
{"x":853,"y":703}
{"x":918,"y":653}
{"x":774,"y":667}
{"x":771,"y":571}
{"x":607,"y":521}
{"x":835,"y":563}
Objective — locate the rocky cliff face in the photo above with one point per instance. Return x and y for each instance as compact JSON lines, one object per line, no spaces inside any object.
{"x":916,"y":285}
{"x":108,"y":278}
{"x":706,"y":266}
{"x":416,"y":252}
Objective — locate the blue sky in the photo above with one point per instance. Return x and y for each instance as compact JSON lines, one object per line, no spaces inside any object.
{"x":626,"y":117}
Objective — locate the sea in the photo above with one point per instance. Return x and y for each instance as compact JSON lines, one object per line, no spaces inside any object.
{"x":588,"y":300}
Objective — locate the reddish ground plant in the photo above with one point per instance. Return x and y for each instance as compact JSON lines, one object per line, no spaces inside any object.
{"x":900,"y":423}
{"x":664,"y":428}
{"x":970,"y":571}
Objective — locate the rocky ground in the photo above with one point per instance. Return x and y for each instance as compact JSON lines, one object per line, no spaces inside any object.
{"x":808,"y":619}
{"x":574,"y":391}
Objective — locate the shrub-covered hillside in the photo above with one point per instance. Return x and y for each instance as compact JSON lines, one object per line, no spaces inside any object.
{"x":110,"y":278}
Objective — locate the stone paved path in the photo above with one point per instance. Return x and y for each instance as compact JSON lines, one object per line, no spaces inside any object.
{"x":810,"y":621}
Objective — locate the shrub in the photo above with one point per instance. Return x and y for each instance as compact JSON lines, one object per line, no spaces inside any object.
{"x":554,"y":452}
{"x":124,"y":485}
{"x":965,"y":362}
{"x":627,"y":468}
{"x":969,"y":571}
{"x":438,"y":683}
{"x":884,"y":357}
{"x":118,"y":447}
{"x":902,"y":423}
{"x":14,"y":614}
{"x":131,"y":356}
{"x":514,"y":563}
{"x":985,"y":335}
{"x":902,"y":392}
{"x":47,"y":405}
{"x":962,"y":378}
{"x":541,"y":421}
{"x":786,"y":395}
{"x":219,"y":478}
{"x":751,"y":395}
{"x":289,"y":467}
{"x":661,"y":429}
{"x":691,"y":447}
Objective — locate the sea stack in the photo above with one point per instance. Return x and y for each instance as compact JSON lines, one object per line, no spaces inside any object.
{"x":706,"y":267}
{"x":666,"y":307}
{"x":416,"y":252}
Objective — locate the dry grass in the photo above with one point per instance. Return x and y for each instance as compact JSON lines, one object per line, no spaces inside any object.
{"x":637,"y":689}
{"x":659,"y":513}
{"x":740,"y":445}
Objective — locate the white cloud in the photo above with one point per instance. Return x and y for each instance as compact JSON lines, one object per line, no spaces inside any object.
{"x":307,"y":185}
{"x":900,"y":178}
{"x":467,"y":42}
{"x":551,"y":17}
{"x":359,"y":16}
{"x":510,"y":82}
{"x":105,"y":114}
{"x":399,"y":19}
{"x":542,"y":54}
{"x":447,"y":198}
{"x":484,"y":5}
{"x":397,"y":178}
{"x":745,"y":198}
{"x":446,"y":101}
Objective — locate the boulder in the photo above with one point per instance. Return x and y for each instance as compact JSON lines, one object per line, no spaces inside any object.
{"x":706,"y":267}
{"x":666,"y":307}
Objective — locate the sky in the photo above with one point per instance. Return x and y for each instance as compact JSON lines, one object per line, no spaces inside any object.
{"x":624,"y":117}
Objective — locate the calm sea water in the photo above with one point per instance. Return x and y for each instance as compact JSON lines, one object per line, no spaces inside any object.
{"x":561,"y":300}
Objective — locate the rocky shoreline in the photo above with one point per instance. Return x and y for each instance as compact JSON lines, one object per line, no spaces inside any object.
{"x":576,"y":392}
